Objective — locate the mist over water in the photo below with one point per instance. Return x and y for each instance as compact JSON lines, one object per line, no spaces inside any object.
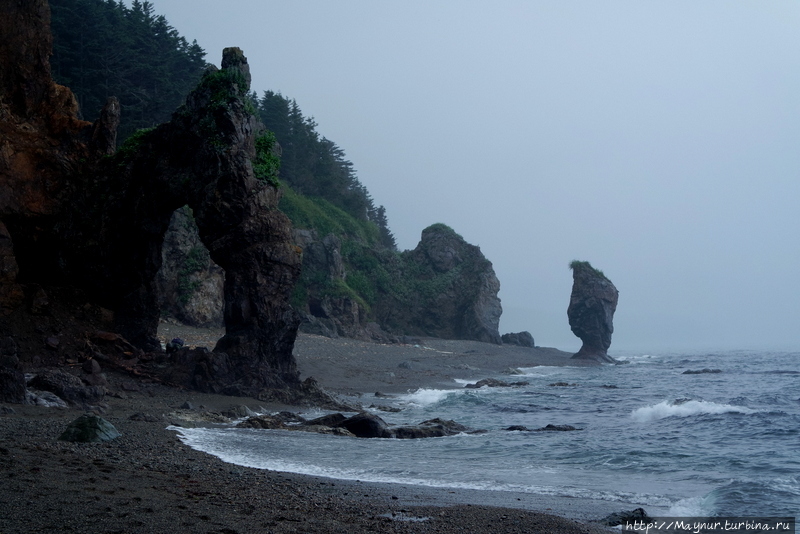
{"x":678,"y":444}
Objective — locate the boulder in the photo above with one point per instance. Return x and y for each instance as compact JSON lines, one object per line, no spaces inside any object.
{"x":494,"y":383}
{"x":322,"y":429}
{"x":367,"y":425}
{"x":237,"y":412}
{"x":591,"y":311}
{"x":89,"y":429}
{"x":12,"y":386}
{"x":626,"y":516}
{"x":433,"y":428}
{"x":522,"y":339}
{"x":333,"y":419}
{"x":557,"y":428}
{"x":67,"y":387}
{"x":45,"y":399}
{"x":262,"y":421}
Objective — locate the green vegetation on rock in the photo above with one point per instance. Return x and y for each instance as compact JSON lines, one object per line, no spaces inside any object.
{"x":576,"y":264}
{"x":266,"y":163}
{"x":196,"y":260}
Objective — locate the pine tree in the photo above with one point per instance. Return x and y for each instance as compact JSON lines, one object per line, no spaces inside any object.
{"x":102,"y":48}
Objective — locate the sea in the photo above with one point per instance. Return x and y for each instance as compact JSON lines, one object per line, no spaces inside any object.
{"x":705,"y":444}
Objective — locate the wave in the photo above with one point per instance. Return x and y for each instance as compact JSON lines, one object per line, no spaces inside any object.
{"x":776,"y":496}
{"x":426,"y":397}
{"x":684,"y":409}
{"x":215,"y":443}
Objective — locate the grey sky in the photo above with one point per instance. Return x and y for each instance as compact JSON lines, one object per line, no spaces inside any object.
{"x":658,"y":140}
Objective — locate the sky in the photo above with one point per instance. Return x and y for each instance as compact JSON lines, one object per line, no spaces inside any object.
{"x":658,"y":140}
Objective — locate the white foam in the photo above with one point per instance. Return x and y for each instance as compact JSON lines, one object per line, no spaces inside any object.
{"x":540,"y":371}
{"x":691,"y":507}
{"x":426,"y":397}
{"x":694,"y":407}
{"x":214,"y":442}
{"x":789,"y":485}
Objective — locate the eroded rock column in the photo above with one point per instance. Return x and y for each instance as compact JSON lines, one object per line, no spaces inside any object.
{"x":591,"y":311}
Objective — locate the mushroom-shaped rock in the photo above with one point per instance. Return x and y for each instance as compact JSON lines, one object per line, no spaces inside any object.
{"x":591,"y":311}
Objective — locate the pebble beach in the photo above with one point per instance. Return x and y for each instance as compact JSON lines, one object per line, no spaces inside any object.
{"x":147,"y":480}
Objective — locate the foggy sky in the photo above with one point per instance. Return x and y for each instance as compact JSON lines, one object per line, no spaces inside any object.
{"x":658,"y":140}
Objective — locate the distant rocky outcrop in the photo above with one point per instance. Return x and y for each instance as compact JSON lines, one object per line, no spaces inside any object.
{"x":75,"y":213}
{"x":521,"y":339}
{"x":452,"y":291}
{"x":701,"y":371}
{"x":444,"y":288}
{"x":591,"y":311}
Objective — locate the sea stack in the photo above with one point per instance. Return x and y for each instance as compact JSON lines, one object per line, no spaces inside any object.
{"x":591,"y":311}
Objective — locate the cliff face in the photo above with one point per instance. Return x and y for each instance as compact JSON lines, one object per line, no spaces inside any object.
{"x":42,"y":142}
{"x":190,"y":285}
{"x":76,"y":213}
{"x":591,"y":311}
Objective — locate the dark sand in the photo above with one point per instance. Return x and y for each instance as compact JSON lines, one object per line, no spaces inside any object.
{"x":148,"y":481}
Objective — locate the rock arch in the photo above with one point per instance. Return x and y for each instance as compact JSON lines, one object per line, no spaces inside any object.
{"x":202,"y":158}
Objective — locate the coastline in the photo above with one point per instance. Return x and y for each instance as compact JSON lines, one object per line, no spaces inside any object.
{"x":148,"y":480}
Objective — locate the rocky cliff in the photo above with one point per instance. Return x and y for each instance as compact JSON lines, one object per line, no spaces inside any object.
{"x":191,"y":287}
{"x":591,"y":311}
{"x":448,"y":290}
{"x":76,"y":213}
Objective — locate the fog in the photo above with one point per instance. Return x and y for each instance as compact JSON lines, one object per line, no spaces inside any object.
{"x":658,"y":140}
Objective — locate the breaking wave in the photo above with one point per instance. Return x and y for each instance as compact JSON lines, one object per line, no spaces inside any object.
{"x":666,"y":409}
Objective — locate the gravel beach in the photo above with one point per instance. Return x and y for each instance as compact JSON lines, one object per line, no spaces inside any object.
{"x":147,"y":480}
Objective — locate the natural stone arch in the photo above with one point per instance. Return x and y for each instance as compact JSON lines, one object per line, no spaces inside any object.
{"x":202,"y":158}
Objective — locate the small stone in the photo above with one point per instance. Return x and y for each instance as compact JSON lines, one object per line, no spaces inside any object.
{"x":52,"y":342}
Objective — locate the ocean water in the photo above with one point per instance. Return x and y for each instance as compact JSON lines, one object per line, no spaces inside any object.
{"x":724,"y":444}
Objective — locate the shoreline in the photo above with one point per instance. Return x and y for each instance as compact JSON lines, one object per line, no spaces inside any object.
{"x":148,"y":480}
